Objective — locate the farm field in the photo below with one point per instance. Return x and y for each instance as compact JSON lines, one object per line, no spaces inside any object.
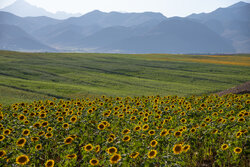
{"x":25,"y":77}
{"x":148,"y":131}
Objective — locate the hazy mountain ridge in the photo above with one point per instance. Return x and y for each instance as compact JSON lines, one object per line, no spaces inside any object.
{"x":226,"y":30}
{"x":232,"y":23}
{"x":23,"y":9}
{"x":176,"y":35}
{"x":14,"y":38}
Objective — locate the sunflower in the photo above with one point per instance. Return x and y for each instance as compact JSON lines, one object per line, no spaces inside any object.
{"x":177,"y":148}
{"x":164,"y":132}
{"x":42,"y":115}
{"x":41,"y":133}
{"x":134,"y":155}
{"x":6,"y":132}
{"x":244,"y":131}
{"x":137,"y":128}
{"x":151,"y":132}
{"x":110,"y":139}
{"x":152,"y":153}
{"x":241,"y":119}
{"x":26,"y":132}
{"x":34,"y":139}
{"x":112,"y":136}
{"x":203,"y":124}
{"x":133,"y":118}
{"x":214,"y":131}
{"x":106,"y":114}
{"x":115,"y":158}
{"x":71,"y":156}
{"x":177,"y":133}
{"x":193,"y":130}
{"x":49,"y":163}
{"x":38,"y":147}
{"x":237,"y":150}
{"x":49,"y":129}
{"x":73,"y":119}
{"x":125,"y":131}
{"x":21,"y":142}
{"x":232,"y":119}
{"x":145,"y":119}
{"x":183,"y":120}
{"x":21,"y":117}
{"x":94,"y":162}
{"x":101,"y":126}
{"x":145,"y":127}
{"x":88,"y":147}
{"x":36,"y":125}
{"x":215,"y":114}
{"x":45,"y":123}
{"x":2,"y":137}
{"x":65,"y":125}
{"x":105,"y":123}
{"x":186,"y":148}
{"x":126,"y":138}
{"x":224,"y":146}
{"x":22,"y":160}
{"x":153,"y":143}
{"x":48,"y":135}
{"x":60,"y":119}
{"x":238,"y":134}
{"x":97,"y":148}
{"x":26,"y":122}
{"x":68,"y":140}
{"x":208,"y":120}
{"x":2,"y":153}
{"x":111,"y":150}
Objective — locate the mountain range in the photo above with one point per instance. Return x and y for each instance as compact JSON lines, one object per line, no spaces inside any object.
{"x":225,"y":30}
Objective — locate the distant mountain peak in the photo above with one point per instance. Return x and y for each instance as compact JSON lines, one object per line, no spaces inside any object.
{"x":239,"y":4}
{"x":23,"y":8}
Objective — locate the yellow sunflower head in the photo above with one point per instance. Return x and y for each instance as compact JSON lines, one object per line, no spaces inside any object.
{"x":21,"y":142}
{"x":111,"y":150}
{"x":68,"y":140}
{"x":71,"y":156}
{"x":134,"y":155}
{"x":237,"y":150}
{"x":22,"y":160}
{"x":94,"y":162}
{"x":153,"y":143}
{"x":115,"y":158}
{"x":177,"y":149}
{"x":88,"y":147}
{"x":49,"y":163}
{"x":152,"y":153}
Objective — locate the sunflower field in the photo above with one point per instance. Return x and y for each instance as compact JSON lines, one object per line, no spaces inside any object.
{"x":155,"y":131}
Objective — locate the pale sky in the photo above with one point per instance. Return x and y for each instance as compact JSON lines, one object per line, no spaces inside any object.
{"x":167,"y":7}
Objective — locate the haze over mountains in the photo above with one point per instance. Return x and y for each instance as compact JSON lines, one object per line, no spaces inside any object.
{"x":23,"y":9}
{"x":225,"y":30}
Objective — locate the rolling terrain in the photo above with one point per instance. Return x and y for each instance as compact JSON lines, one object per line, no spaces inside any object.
{"x":29,"y":76}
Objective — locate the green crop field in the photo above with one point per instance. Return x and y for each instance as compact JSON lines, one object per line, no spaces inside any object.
{"x":25,"y":77}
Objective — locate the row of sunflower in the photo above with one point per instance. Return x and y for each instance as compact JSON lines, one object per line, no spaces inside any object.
{"x":127,"y":131}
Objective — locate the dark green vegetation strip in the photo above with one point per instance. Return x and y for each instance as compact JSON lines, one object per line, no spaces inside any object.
{"x":29,"y":76}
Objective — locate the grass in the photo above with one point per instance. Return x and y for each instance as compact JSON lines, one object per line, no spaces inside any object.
{"x":28,"y":76}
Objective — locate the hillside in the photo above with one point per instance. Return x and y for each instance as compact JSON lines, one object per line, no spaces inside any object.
{"x":12,"y":37}
{"x":232,"y":23}
{"x":29,"y":76}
